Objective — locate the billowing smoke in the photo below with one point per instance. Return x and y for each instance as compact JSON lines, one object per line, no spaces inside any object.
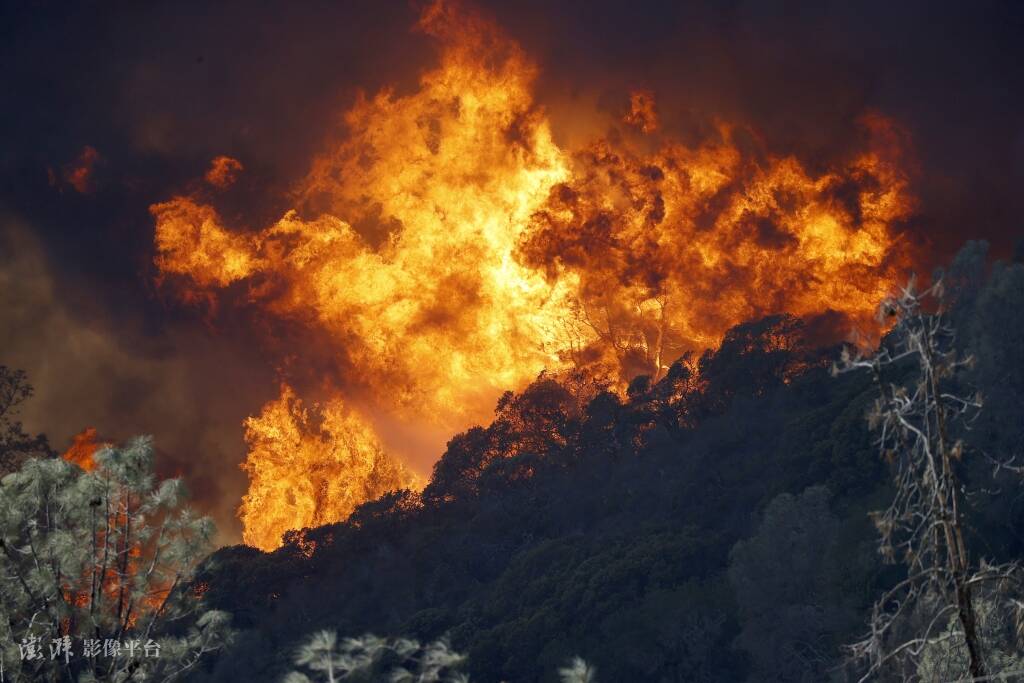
{"x":93,"y":372}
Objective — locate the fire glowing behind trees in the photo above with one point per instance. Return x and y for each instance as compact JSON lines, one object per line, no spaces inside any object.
{"x":449,"y":249}
{"x":82,"y":449}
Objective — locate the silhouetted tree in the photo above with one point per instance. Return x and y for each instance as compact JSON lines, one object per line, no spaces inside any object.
{"x":753,"y":359}
{"x":785,"y":578}
{"x":15,"y":445}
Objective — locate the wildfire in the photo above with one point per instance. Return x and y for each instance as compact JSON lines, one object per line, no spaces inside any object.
{"x":449,"y":249}
{"x":223,"y":172}
{"x":83,"y":446}
{"x":309,"y":467}
{"x":96,"y":584}
{"x":642,"y":112}
{"x":671,"y":249}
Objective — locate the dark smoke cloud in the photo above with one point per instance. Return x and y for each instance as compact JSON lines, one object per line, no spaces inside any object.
{"x":183,"y":386}
{"x":160,"y":89}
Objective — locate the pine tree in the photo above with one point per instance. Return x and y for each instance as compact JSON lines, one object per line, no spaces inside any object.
{"x":326,"y":659}
{"x":15,"y":444}
{"x":97,"y":572}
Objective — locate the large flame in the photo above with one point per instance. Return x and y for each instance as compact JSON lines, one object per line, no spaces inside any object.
{"x":671,"y":249}
{"x":84,"y":446}
{"x":311,"y":467}
{"x":448,"y":249}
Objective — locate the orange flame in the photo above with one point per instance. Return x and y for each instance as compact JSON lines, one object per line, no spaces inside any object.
{"x":449,"y":249}
{"x":642,"y":112}
{"x":79,"y":174}
{"x":95,"y":584}
{"x":310,"y":467}
{"x":83,"y":446}
{"x":223,"y":171}
{"x":673,"y":248}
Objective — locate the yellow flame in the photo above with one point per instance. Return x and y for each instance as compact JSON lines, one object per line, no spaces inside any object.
{"x":449,"y":249}
{"x":311,"y":466}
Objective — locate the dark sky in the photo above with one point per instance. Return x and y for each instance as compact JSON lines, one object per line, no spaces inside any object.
{"x":158,"y":89}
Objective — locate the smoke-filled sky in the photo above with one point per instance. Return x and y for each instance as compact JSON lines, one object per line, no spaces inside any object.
{"x":110,"y":109}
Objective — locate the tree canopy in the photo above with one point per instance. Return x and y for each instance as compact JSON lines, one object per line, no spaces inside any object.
{"x":98,"y":572}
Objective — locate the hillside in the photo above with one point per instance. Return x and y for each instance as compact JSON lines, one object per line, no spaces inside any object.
{"x":712,"y":526}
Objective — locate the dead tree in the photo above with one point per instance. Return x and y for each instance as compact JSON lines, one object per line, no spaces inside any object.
{"x":643,"y":328}
{"x":919,"y":421}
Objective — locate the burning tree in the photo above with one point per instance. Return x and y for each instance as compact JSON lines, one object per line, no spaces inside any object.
{"x":97,"y":570}
{"x":938,"y":605}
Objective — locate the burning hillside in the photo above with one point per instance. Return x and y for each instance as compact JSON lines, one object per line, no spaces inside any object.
{"x":448,"y":249}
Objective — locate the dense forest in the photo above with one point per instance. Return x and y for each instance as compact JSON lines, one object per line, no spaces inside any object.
{"x":711,"y":526}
